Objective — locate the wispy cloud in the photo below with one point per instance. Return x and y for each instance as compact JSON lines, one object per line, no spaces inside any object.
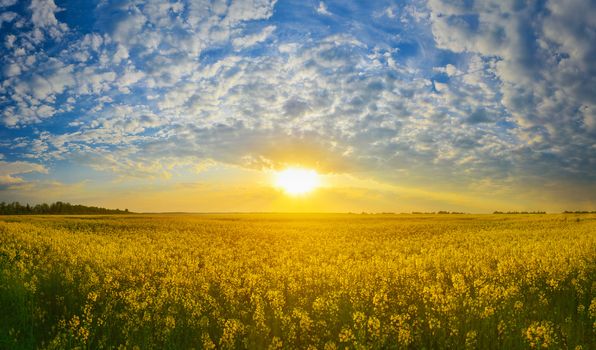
{"x":10,"y":171}
{"x":322,"y":9}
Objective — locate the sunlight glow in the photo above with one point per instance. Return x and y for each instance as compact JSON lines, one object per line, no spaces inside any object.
{"x":297,"y":181}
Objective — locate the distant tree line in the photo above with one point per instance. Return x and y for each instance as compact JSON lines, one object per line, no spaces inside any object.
{"x":519,"y":212}
{"x":439,"y":212}
{"x":16,"y":208}
{"x":579,"y":212}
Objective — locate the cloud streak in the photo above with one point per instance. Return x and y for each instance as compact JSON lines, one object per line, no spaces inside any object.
{"x":8,"y":170}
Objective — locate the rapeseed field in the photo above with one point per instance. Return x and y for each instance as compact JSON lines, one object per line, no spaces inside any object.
{"x":292,"y":281}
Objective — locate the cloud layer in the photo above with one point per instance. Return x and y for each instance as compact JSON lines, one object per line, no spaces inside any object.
{"x":478,"y":97}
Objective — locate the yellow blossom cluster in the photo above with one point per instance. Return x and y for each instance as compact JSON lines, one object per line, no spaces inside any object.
{"x":298,"y":281}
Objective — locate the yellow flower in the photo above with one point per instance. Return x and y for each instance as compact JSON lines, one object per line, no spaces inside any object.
{"x":275,"y":344}
{"x":541,"y":335}
{"x":359,"y":319}
{"x":471,"y":340}
{"x":346,"y":335}
{"x":374,"y":327}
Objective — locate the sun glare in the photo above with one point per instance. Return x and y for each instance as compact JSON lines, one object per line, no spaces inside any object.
{"x":297,"y":181}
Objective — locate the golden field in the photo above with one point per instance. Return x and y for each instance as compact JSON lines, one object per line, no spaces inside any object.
{"x":298,"y":281}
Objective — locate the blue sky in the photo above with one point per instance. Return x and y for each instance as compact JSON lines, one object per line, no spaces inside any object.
{"x":487,"y":104}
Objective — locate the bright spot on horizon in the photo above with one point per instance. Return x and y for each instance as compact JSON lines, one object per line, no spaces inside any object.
{"x":297,"y":181}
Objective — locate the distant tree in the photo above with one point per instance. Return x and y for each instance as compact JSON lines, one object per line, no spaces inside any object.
{"x":15,"y":208}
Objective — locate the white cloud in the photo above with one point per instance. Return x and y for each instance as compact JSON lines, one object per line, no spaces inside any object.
{"x":7,"y":3}
{"x":246,"y":41}
{"x":90,"y":81}
{"x":9,"y":41}
{"x":128,"y":79}
{"x":8,"y":170}
{"x":164,"y":38}
{"x":7,"y":17}
{"x":246,"y":10}
{"x":121,"y":54}
{"x":543,"y":61}
{"x":322,"y":9}
{"x":43,"y":16}
{"x":390,"y":12}
{"x":258,"y":101}
{"x":160,"y":12}
{"x":12,"y":70}
{"x":128,"y":30}
{"x":589,"y":114}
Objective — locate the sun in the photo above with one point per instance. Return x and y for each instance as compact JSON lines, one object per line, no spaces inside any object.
{"x":297,"y":181}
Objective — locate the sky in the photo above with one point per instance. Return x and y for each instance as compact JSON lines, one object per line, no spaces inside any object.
{"x":400,"y":106}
